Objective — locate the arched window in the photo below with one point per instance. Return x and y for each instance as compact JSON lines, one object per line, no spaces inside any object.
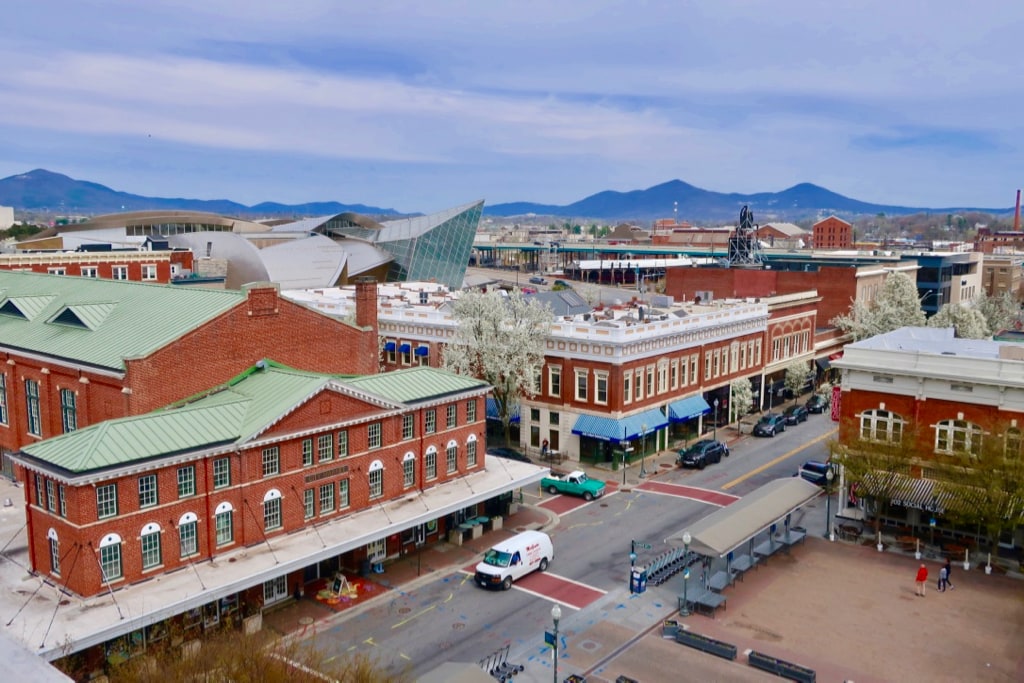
{"x":224,"y":523}
{"x":471,"y":451}
{"x":409,"y":470}
{"x":187,"y":536}
{"x":272,"y":510}
{"x":881,"y":425}
{"x":376,"y":479}
{"x":51,"y":536}
{"x":152,"y":554}
{"x":110,"y":558}
{"x":957,"y":437}
{"x":430,"y":463}
{"x":452,"y":457}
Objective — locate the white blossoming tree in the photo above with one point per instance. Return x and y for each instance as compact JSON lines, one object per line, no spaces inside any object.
{"x":742,"y":398}
{"x":967,"y":322}
{"x":500,"y":339}
{"x":797,"y":373}
{"x":896,"y":306}
{"x":1000,"y":311}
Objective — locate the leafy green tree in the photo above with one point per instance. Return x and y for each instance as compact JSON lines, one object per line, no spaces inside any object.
{"x":896,"y":306}
{"x":500,"y":339}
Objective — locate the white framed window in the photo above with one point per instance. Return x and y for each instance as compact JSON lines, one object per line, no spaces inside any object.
{"x":376,"y":479}
{"x":430,"y":421}
{"x":32,"y":407}
{"x":56,"y":271}
{"x":110,"y":558}
{"x":377,"y":550}
{"x":326,"y":498}
{"x":408,"y":427}
{"x":62,"y":500}
{"x":471,"y":411}
{"x":555,"y":380}
{"x":309,"y":503}
{"x":581,"y":384}
{"x":106,"y":501}
{"x":452,"y":458}
{"x":343,"y":500}
{"x":307,"y":452}
{"x":221,"y":473}
{"x":51,"y":496}
{"x":90,"y":271}
{"x":471,"y":451}
{"x":68,"y":410}
{"x":601,"y":387}
{"x":373,"y":435}
{"x":638,"y":385}
{"x":1012,"y":444}
{"x":451,"y":416}
{"x":342,"y":443}
{"x":430,"y":463}
{"x":957,"y":437}
{"x":272,"y":510}
{"x":3,"y":399}
{"x":650,"y":380}
{"x":224,"y":524}
{"x":150,"y":540}
{"x":147,"y":491}
{"x":187,"y":535}
{"x":186,"y":481}
{"x":409,"y":470}
{"x":54,"y":552}
{"x":325,"y":447}
{"x":881,"y":426}
{"x":662,"y":377}
{"x":271,"y":461}
{"x":627,"y":388}
{"x":149,"y":271}
{"x":673,"y":374}
{"x":119,"y":273}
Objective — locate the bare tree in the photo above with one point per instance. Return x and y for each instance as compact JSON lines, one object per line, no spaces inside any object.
{"x":500,"y":339}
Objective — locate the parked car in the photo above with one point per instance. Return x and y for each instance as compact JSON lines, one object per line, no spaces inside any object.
{"x":770,"y":424}
{"x":817,"y":404}
{"x":510,"y":453}
{"x":575,"y":483}
{"x":795,"y":414}
{"x":814,"y":471}
{"x":562,"y":284}
{"x":536,"y":280}
{"x":703,"y":453}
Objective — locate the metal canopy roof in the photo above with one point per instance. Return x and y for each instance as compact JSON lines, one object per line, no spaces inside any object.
{"x":726,"y":528}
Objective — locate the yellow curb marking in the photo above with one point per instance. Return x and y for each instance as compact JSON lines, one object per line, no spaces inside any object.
{"x":776,"y":461}
{"x":414,"y":616}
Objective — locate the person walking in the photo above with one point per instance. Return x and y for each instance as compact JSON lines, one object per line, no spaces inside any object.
{"x":922,"y":579}
{"x":942,"y":579}
{"x":949,"y":572}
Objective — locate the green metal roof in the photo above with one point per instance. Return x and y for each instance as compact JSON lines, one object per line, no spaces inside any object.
{"x":234,"y":413}
{"x":415,"y":384}
{"x":101,"y":322}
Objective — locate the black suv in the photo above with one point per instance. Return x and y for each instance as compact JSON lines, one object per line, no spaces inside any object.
{"x":770,"y":424}
{"x":816,"y":404}
{"x":703,"y":453}
{"x":795,"y":414}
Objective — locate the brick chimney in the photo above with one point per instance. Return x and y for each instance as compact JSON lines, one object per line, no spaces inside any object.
{"x":1016,"y":215}
{"x":366,"y":302}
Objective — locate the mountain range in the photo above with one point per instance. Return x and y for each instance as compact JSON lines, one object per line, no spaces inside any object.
{"x":43,"y":191}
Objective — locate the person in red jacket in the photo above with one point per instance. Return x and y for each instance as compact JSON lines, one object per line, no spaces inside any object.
{"x":922,"y":580}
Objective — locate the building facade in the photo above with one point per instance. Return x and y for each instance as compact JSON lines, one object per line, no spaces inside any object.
{"x":154,"y":267}
{"x":832,"y":233}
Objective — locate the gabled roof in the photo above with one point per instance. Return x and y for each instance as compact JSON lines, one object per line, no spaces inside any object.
{"x":101,"y":322}
{"x":233,"y":414}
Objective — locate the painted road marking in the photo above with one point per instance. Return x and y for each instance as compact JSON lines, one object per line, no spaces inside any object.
{"x":777,"y":460}
{"x":692,"y":492}
{"x":560,"y":504}
{"x":560,"y":589}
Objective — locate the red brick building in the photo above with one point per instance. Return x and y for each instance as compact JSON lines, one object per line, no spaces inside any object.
{"x":832,"y":233}
{"x":261,"y":457}
{"x":78,"y":351}
{"x":155,"y":267}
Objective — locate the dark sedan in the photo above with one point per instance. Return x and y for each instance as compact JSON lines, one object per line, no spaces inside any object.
{"x":770,"y":424}
{"x":795,"y":414}
{"x":703,"y":453}
{"x":816,"y":404}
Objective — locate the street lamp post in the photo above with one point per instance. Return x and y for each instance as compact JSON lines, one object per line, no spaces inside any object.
{"x":684,"y":611}
{"x":643,"y":446}
{"x":623,"y":466}
{"x":556,"y":614}
{"x":829,"y":475}
{"x":716,"y":418}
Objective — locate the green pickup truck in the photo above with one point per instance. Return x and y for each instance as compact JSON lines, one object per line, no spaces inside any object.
{"x":575,"y":483}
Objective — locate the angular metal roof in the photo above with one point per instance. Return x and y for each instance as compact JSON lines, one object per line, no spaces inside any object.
{"x":235,"y":413}
{"x":113,"y":320}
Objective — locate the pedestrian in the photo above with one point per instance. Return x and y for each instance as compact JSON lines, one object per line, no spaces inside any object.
{"x":922,"y":579}
{"x":949,"y":573}
{"x":942,"y":579}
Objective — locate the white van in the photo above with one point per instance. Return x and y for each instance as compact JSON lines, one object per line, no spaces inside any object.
{"x":514,"y":558}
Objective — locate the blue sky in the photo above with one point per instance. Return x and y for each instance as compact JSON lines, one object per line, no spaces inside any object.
{"x":422,"y":106}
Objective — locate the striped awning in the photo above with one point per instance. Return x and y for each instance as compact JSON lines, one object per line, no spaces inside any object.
{"x":687,"y":409}
{"x":904,"y":491}
{"x":492,"y":411}
{"x":620,"y":430}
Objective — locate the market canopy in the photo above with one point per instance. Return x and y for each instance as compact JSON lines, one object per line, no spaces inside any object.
{"x":687,"y":409}
{"x":726,"y":528}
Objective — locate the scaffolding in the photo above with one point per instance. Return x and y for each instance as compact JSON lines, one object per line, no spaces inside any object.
{"x":744,"y":248}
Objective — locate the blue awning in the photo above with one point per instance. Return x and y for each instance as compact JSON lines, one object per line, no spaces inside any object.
{"x":618,"y":431}
{"x":687,"y":409}
{"x":404,"y":348}
{"x":492,"y":411}
{"x":422,"y":350}
{"x":389,"y":346}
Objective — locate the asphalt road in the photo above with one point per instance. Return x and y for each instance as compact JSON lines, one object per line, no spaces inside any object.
{"x":452,"y":619}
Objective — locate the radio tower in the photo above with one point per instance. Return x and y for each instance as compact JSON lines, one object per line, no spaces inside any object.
{"x":744,"y":249}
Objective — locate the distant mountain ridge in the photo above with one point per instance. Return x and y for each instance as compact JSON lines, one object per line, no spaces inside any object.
{"x":696,"y":204}
{"x":42,"y":190}
{"x":45,"y":191}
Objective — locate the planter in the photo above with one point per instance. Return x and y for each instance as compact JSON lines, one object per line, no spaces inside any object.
{"x":781,"y":667}
{"x":718,"y":648}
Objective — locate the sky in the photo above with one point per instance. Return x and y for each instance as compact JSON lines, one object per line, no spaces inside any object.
{"x":421,"y":106}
